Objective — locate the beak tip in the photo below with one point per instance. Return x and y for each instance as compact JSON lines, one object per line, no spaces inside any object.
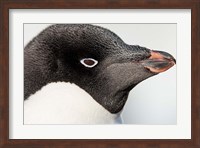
{"x":174,"y":60}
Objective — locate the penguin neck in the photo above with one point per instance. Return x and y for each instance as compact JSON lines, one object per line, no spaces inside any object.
{"x":65,"y":103}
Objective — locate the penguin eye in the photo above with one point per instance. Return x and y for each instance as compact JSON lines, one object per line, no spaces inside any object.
{"x":89,"y":62}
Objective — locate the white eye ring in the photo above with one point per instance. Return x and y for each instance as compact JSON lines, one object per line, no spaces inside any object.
{"x":86,"y":63}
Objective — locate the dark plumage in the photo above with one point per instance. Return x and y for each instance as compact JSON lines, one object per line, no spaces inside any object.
{"x":55,"y":54}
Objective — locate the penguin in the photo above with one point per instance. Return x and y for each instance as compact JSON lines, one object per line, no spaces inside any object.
{"x":82,"y":74}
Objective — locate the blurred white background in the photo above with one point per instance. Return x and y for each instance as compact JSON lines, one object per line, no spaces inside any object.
{"x":153,"y":101}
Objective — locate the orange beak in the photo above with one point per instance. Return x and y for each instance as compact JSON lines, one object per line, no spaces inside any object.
{"x":159,"y":61}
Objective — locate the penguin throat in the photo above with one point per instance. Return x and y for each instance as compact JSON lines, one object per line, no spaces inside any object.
{"x":115,"y":101}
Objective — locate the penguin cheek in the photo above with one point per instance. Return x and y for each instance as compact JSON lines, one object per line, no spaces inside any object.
{"x":127,"y":74}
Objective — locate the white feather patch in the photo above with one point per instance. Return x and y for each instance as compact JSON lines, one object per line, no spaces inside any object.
{"x":89,"y":66}
{"x":65,"y":103}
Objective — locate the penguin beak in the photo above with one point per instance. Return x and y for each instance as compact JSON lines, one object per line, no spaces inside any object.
{"x":159,"y":61}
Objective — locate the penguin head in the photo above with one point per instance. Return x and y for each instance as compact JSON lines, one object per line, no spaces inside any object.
{"x":96,"y":60}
